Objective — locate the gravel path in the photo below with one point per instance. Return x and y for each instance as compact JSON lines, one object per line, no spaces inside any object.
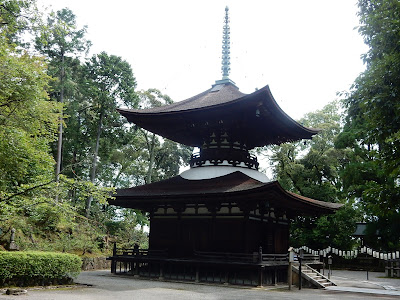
{"x":99,"y":285}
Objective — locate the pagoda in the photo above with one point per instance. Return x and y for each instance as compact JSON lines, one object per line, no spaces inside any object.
{"x":222,"y":216}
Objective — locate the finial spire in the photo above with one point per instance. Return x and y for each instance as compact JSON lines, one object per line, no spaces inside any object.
{"x":226,"y":53}
{"x":226,"y":47}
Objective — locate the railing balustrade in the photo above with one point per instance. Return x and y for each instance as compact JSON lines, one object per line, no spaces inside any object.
{"x":250,"y":161}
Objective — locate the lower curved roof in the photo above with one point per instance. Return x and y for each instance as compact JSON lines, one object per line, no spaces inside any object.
{"x":235,"y":186}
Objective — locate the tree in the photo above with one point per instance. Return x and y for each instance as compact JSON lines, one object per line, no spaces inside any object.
{"x":16,"y":18}
{"x":28,"y":119}
{"x":145,"y":157}
{"x":148,"y":99}
{"x":312,"y":170}
{"x":372,"y":129}
{"x":164,"y":156}
{"x":60,"y":41}
{"x":109,"y":81}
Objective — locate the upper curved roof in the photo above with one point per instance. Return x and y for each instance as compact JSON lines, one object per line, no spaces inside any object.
{"x":256,"y":117}
{"x":224,"y":93}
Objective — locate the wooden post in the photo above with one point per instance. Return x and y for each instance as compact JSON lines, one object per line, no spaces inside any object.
{"x":392,"y":268}
{"x":260,"y":276}
{"x":197,"y":274}
{"x":387,"y":272}
{"x":113,"y":260}
{"x":115,"y":249}
{"x":136,"y":268}
{"x":300,"y":261}
{"x":245,"y":231}
{"x":260,"y":271}
{"x":291,"y":260}
{"x":226,"y":279}
{"x":161,"y":277}
{"x":113,"y":266}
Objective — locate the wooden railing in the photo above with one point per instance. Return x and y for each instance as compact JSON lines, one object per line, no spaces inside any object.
{"x":242,"y":257}
{"x":310,"y":257}
{"x":224,"y":256}
{"x":256,"y":257}
{"x":139,"y":252}
{"x":212,"y":267}
{"x":274,"y":257}
{"x":218,"y":157}
{"x":392,"y":268}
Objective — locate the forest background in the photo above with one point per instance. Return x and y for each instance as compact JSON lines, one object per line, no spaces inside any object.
{"x":64,"y":147}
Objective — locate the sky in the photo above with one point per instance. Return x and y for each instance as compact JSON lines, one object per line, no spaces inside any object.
{"x":306,"y":51}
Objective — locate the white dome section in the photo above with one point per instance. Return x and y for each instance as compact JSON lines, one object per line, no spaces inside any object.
{"x":208,"y":172}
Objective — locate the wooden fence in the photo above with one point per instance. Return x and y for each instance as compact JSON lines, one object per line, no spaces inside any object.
{"x":254,"y":269}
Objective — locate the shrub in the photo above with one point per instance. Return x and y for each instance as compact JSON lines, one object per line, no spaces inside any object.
{"x":44,"y":268}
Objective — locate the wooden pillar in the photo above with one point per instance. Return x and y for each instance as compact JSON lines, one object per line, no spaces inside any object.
{"x":387,"y":271}
{"x":150,"y":232}
{"x":212,"y":208}
{"x":273,"y":232}
{"x":113,"y":260}
{"x":391,"y":269}
{"x":137,"y":266}
{"x":212,"y":237}
{"x":397,"y":268}
{"x":161,"y":277}
{"x":261,"y":268}
{"x":245,"y":233}
{"x":226,"y":278}
{"x":260,"y":276}
{"x":180,"y":235}
{"x":179,"y":249}
{"x":197,"y":274}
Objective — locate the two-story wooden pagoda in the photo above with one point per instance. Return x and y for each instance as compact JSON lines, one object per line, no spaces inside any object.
{"x":222,"y":216}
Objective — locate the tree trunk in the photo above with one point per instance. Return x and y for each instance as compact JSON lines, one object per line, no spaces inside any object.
{"x":94,"y":163}
{"x":60,"y":126}
{"x":151,"y":162}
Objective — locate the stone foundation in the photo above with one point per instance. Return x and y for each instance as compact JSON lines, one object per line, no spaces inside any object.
{"x":95,"y":263}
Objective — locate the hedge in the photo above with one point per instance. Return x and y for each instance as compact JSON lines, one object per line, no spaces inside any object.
{"x":43,"y":268}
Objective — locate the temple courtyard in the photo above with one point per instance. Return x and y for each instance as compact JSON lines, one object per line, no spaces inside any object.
{"x":103,"y":285}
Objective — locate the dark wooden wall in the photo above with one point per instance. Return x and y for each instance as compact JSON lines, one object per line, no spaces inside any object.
{"x":183,"y":236}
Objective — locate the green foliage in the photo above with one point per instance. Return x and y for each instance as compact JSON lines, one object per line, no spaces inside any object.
{"x":59,"y":36}
{"x":108,"y":80}
{"x":31,"y":160}
{"x":29,"y":123}
{"x":328,"y":230}
{"x":28,"y":120}
{"x":164,"y":157}
{"x":45,"y":224}
{"x":41,"y":265}
{"x":45,"y":216}
{"x":16,"y":17}
{"x":125,"y":230}
{"x":312,"y":170}
{"x":372,"y":130}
